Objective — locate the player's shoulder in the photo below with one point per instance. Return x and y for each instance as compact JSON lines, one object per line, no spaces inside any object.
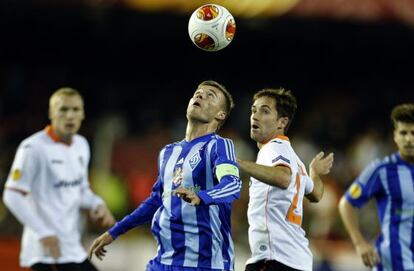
{"x":278,"y":144}
{"x":172,"y":145}
{"x":385,"y":161}
{"x":34,"y":141}
{"x":219,"y":139}
{"x":80,"y":139}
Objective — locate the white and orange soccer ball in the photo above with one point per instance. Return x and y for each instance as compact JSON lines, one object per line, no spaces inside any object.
{"x":211,"y":27}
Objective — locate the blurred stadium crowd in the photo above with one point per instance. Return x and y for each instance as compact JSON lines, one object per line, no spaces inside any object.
{"x":138,"y":69}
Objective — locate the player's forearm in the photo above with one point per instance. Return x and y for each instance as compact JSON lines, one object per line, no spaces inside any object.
{"x":143,"y":214}
{"x":226,"y":191}
{"x":350,"y":220}
{"x":318,"y":188}
{"x":274,"y":176}
{"x":21,"y":208}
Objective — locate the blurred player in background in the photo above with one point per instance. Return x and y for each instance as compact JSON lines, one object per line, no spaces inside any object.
{"x":391,"y":182}
{"x":278,"y":184}
{"x":190,"y":204}
{"x":48,"y":186}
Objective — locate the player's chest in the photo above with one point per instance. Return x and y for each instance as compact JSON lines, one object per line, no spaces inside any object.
{"x":64,"y":164}
{"x":186,"y":165}
{"x":400,"y":184}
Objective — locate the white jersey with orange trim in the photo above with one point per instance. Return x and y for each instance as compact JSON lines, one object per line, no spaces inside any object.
{"x":54,"y":178}
{"x":275,"y":214}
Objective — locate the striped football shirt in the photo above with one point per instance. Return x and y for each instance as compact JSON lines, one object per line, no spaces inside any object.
{"x":391,"y":182}
{"x":191,"y":237}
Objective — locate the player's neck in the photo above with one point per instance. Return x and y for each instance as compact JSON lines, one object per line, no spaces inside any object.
{"x":195,"y":130}
{"x":408,"y":159}
{"x":58,"y":137}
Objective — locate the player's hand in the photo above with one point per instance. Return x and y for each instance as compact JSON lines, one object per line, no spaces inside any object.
{"x":187,"y":195}
{"x":98,"y":246}
{"x":368,"y":254}
{"x":321,"y":165}
{"x":102,"y":216}
{"x":51,"y":246}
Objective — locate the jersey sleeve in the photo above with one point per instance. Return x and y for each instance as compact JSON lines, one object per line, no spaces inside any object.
{"x":24,"y":168}
{"x":278,"y":154}
{"x":143,"y":214}
{"x":226,"y":172}
{"x":365,"y":186}
{"x":309,"y":185}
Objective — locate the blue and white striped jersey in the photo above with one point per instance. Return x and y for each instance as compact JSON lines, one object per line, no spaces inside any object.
{"x":191,"y":236}
{"x":391,"y":183}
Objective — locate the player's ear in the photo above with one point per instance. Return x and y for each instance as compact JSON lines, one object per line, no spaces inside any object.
{"x":282,"y":122}
{"x":221,"y":115}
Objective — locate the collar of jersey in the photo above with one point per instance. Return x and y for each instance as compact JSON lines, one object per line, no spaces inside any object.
{"x":401,"y":160}
{"x":49,"y":131}
{"x":279,"y":137}
{"x":199,"y":139}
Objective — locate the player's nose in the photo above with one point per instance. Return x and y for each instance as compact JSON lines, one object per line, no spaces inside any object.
{"x":200,"y":94}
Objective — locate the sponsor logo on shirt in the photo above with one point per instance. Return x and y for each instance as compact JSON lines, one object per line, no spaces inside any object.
{"x":355,"y":191}
{"x":16,"y":175}
{"x":56,"y":161}
{"x":64,"y":183}
{"x":408,"y":213}
{"x":169,"y":193}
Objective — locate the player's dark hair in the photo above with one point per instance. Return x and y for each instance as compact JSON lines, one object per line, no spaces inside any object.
{"x":402,"y":113}
{"x":285,"y":102}
{"x":229,"y":103}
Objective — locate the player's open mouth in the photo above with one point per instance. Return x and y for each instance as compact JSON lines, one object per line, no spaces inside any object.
{"x":255,"y":127}
{"x":197,"y":104}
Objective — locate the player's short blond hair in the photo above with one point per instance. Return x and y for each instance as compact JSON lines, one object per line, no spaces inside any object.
{"x":65,"y":91}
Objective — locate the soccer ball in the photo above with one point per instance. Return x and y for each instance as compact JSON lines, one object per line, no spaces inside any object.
{"x":211,"y":27}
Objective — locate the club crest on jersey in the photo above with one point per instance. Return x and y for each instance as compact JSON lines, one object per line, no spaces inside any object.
{"x":16,"y":175}
{"x":178,"y":176}
{"x":194,"y":160}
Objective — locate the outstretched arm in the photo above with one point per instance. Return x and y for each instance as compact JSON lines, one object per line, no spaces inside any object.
{"x":349,"y":217}
{"x":279,"y":175}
